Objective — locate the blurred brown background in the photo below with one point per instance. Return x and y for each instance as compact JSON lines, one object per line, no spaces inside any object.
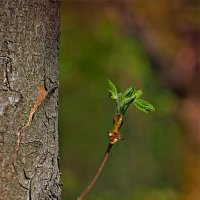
{"x":154,"y":45}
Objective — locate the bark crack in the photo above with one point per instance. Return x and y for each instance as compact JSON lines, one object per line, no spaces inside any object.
{"x":30,"y":185}
{"x":42,"y":93}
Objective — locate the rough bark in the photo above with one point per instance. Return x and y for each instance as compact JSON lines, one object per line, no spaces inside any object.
{"x":29,"y":39}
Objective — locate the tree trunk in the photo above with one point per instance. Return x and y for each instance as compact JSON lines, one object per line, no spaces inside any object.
{"x":29,"y":39}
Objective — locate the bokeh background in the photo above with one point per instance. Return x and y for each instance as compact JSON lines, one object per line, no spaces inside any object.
{"x":155,"y":46}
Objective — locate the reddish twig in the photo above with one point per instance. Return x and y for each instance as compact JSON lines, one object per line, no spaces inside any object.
{"x":114,"y":136}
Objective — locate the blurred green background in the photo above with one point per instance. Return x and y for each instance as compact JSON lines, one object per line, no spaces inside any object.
{"x":154,"y":45}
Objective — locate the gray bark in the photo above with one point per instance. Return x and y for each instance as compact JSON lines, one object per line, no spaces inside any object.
{"x":29,"y":40}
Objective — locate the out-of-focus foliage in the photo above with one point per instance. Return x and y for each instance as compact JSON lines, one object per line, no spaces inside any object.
{"x":97,"y":43}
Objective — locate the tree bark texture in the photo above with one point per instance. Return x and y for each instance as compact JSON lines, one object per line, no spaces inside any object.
{"x":29,"y":40}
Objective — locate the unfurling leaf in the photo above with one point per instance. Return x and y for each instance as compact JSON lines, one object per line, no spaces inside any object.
{"x":125,"y":99}
{"x":112,"y":90}
{"x":137,"y":94}
{"x":128,"y":101}
{"x":129,"y":92}
{"x":143,"y":105}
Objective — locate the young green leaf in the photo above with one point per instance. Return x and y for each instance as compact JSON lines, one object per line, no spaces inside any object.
{"x":143,"y":105}
{"x":137,"y":94}
{"x":129,"y":92}
{"x":120,"y":99}
{"x":128,"y":101}
{"x":125,"y":99}
{"x":112,"y":90}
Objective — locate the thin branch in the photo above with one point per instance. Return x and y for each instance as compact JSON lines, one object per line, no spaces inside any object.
{"x":123,"y":100}
{"x":101,"y":165}
{"x":114,"y":136}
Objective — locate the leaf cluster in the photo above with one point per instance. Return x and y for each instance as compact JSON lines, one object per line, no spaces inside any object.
{"x":128,"y":97}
